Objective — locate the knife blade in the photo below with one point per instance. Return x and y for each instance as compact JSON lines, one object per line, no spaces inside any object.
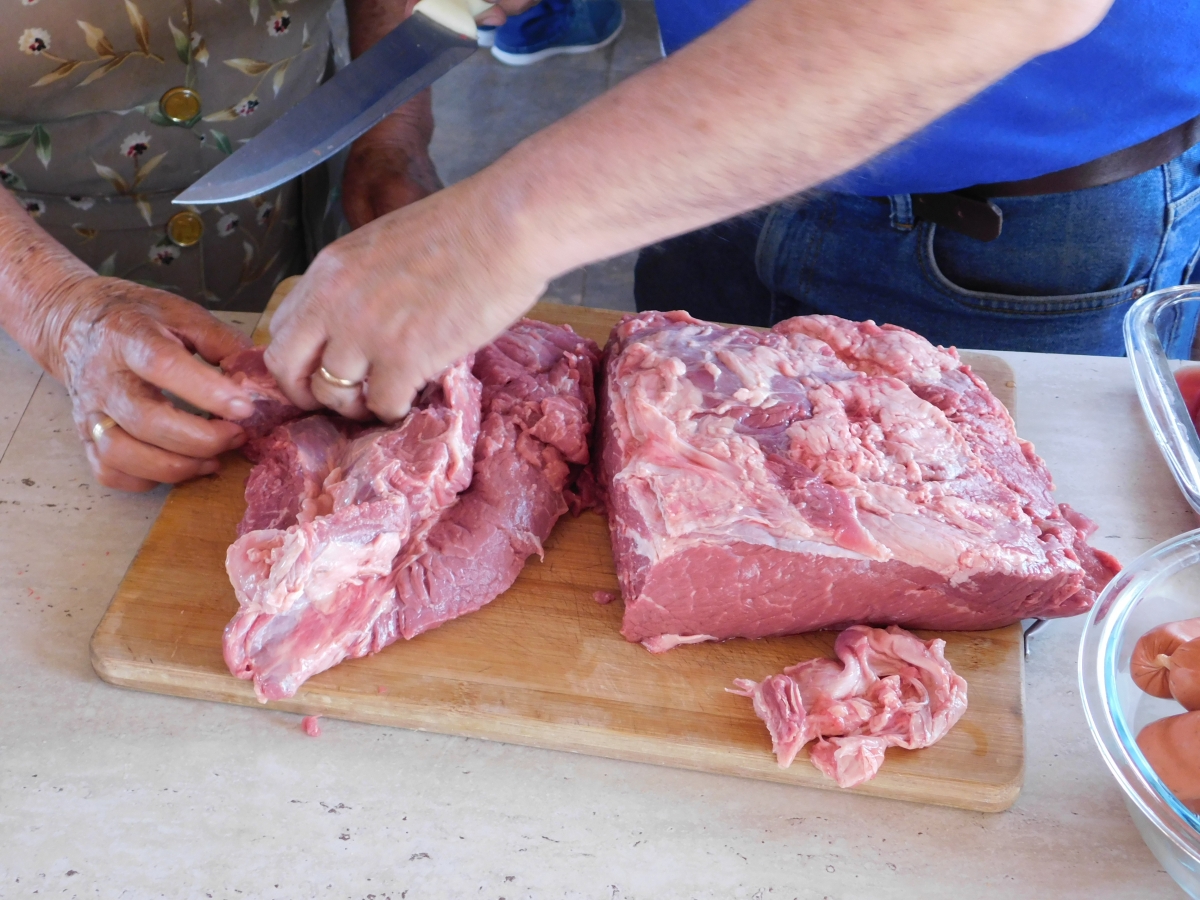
{"x":439,"y":35}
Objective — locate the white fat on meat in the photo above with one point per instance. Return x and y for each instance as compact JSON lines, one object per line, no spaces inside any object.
{"x":887,"y":688}
{"x":664,"y":642}
{"x":694,"y":475}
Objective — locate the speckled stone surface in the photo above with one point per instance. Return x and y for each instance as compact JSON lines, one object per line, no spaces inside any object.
{"x":110,"y":793}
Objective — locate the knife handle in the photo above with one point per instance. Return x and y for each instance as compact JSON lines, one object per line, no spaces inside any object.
{"x":457,"y":15}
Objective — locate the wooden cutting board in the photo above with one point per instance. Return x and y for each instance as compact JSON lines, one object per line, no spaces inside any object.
{"x":544,"y":664}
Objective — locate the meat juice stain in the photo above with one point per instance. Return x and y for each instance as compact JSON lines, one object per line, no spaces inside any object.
{"x":977,"y":734}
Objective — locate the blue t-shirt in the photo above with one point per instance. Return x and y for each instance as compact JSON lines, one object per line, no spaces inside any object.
{"x":1136,"y":75}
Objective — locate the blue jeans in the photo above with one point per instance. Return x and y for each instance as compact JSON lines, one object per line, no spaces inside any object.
{"x":1058,"y":279}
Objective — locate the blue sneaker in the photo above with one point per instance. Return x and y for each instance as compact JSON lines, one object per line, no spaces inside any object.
{"x":558,"y":26}
{"x":485,"y":35}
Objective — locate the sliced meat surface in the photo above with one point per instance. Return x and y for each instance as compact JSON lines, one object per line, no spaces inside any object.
{"x":885,"y":689}
{"x":822,"y":474}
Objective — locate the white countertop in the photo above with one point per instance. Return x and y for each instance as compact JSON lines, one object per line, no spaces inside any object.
{"x":107,"y":792}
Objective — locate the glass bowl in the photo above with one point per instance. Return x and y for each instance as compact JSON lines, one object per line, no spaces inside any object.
{"x":1159,"y":339}
{"x":1160,"y":586}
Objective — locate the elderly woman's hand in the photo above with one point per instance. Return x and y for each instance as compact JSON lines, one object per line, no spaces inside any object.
{"x":117,"y":346}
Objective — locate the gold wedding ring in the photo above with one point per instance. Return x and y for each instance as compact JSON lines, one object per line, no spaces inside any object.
{"x":105,"y":423}
{"x":330,"y":378}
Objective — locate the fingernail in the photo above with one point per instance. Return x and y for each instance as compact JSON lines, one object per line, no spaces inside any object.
{"x":209,"y":467}
{"x":238,"y":441}
{"x":241,"y":409}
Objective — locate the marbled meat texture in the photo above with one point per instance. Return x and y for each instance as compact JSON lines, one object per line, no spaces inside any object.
{"x":822,"y":474}
{"x":885,"y":689}
{"x":353,"y":537}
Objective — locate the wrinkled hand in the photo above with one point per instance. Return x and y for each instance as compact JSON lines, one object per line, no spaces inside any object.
{"x":389,"y":166}
{"x":395,"y":302}
{"x":117,"y":346}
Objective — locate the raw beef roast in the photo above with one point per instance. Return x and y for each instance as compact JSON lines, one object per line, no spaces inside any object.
{"x":822,"y":474}
{"x":538,"y":406}
{"x":355,"y":537}
{"x":312,"y":591}
{"x":271,"y":406}
{"x":293,"y":462}
{"x":885,"y":689}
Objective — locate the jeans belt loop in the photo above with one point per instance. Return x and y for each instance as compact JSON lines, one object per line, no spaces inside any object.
{"x":901,"y":217}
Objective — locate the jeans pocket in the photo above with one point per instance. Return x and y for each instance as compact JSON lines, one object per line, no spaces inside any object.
{"x":1003,"y":304}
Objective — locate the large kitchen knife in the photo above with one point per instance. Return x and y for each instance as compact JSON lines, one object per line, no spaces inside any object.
{"x":433,"y":40}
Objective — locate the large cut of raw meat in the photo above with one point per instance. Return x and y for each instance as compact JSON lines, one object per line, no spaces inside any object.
{"x":885,"y":689}
{"x":822,"y":474}
{"x":354,"y":537}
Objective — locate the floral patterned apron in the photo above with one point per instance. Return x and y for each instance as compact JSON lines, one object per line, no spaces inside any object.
{"x":109,"y":108}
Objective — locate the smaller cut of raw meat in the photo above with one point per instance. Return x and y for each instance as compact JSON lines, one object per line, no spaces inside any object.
{"x":538,"y":405}
{"x":293,"y":462}
{"x":1188,"y":381}
{"x":271,"y":407}
{"x":354,"y":537}
{"x":885,"y":689}
{"x":318,"y":584}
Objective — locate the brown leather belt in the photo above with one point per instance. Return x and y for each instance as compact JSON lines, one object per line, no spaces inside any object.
{"x":970,"y":211}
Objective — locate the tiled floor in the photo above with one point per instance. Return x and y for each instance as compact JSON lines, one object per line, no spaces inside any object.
{"x":484,"y":108}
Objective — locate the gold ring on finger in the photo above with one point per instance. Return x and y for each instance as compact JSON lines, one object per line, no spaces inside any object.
{"x":330,"y":378}
{"x":105,"y":423}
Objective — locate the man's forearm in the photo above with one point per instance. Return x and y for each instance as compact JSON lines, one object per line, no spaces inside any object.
{"x":782,"y":96}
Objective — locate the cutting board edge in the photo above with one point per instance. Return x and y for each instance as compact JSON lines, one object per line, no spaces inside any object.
{"x":561,"y":737}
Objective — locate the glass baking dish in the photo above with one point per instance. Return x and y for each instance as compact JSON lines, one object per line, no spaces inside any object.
{"x":1160,"y":586}
{"x":1159,"y":341}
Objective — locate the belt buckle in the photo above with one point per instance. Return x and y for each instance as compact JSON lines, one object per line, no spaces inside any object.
{"x":979,"y":219}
